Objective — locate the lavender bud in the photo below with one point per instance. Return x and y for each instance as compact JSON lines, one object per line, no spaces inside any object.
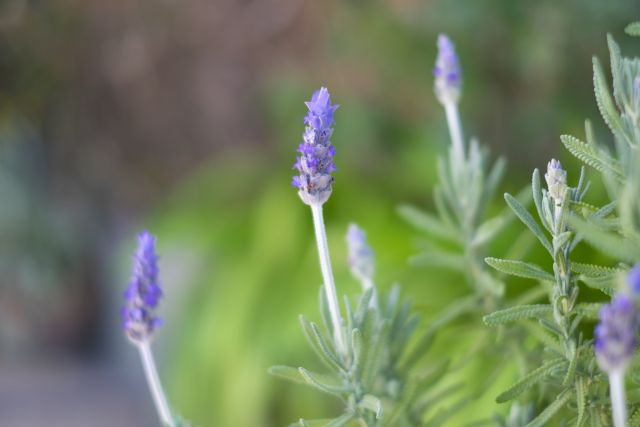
{"x":616,"y":334}
{"x":315,"y":162}
{"x":360,"y":254}
{"x":556,"y":178}
{"x":447,"y":73}
{"x":143,"y":293}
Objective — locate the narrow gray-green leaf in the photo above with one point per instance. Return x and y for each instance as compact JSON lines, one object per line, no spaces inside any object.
{"x":611,"y":244}
{"x":428,"y":223}
{"x":323,"y":382}
{"x":516,"y":313}
{"x":520,"y":269}
{"x":528,"y":220}
{"x":288,"y":373}
{"x":593,"y":156}
{"x":530,"y":379}
{"x":542,"y":419}
{"x":439,"y":258}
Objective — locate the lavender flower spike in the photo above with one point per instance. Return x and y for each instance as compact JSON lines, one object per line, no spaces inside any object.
{"x":140,"y":320}
{"x":616,"y":334}
{"x":360,"y":256}
{"x":315,"y":163}
{"x":447,"y":72}
{"x":144,"y":293}
{"x":615,"y":344}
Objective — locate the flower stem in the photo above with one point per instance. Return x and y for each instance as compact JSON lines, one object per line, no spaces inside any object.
{"x":618,"y":401}
{"x":327,"y":275}
{"x":455,"y":130}
{"x":150,"y":371}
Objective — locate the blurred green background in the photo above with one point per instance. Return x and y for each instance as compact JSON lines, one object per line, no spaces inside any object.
{"x":183,"y":118}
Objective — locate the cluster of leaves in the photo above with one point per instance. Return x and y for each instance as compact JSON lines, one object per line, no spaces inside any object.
{"x":459,"y":232}
{"x":378,"y":379}
{"x":570,"y":387}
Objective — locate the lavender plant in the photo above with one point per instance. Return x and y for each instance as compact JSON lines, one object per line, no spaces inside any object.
{"x":371,"y":367}
{"x":460,"y":232}
{"x":140,"y":321}
{"x":572,"y":388}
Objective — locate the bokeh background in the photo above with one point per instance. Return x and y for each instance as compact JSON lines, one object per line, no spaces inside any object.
{"x":182,"y":117}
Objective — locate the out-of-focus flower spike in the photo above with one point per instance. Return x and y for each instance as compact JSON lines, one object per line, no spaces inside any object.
{"x":447,"y":72}
{"x":143,"y":293}
{"x":360,"y":256}
{"x":315,"y":163}
{"x":616,"y":334}
{"x":633,"y":280}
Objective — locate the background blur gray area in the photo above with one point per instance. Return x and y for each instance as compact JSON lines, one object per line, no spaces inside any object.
{"x":112,"y":114}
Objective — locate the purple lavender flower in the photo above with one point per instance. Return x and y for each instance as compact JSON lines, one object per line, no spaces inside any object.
{"x":633,"y":279}
{"x":315,"y":162}
{"x":556,"y":178}
{"x":143,"y":293}
{"x":360,"y":254}
{"x":447,"y":72}
{"x":616,"y":333}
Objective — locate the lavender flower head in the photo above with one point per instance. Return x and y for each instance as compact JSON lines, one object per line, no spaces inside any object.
{"x":447,"y":72}
{"x":315,"y":162}
{"x":556,"y":178}
{"x":616,"y":334}
{"x":360,"y":254}
{"x":144,"y":293}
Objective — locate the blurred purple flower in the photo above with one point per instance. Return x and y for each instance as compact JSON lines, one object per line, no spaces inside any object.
{"x":360,"y":255}
{"x":447,"y":72}
{"x":616,"y":333}
{"x":143,"y":293}
{"x":315,"y":162}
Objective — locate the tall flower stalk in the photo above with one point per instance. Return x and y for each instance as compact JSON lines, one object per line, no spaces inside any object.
{"x":314,"y":182}
{"x":140,"y":321}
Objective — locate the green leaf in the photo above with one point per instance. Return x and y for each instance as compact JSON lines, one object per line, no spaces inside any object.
{"x":592,"y":269}
{"x":520,"y":269}
{"x":590,"y":310}
{"x":593,"y":156}
{"x":530,"y":379}
{"x":528,"y":220}
{"x":487,"y":230}
{"x":603,"y":284}
{"x":439,"y":258}
{"x":609,"y":243}
{"x":549,"y":411}
{"x":356,"y":345}
{"x":428,"y":223}
{"x":604,"y":100}
{"x":633,"y":29}
{"x":581,"y":401}
{"x":319,"y":345}
{"x":536,"y":191}
{"x":516,"y":313}
{"x":375,"y":354}
{"x":323,"y":382}
{"x":288,"y":373}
